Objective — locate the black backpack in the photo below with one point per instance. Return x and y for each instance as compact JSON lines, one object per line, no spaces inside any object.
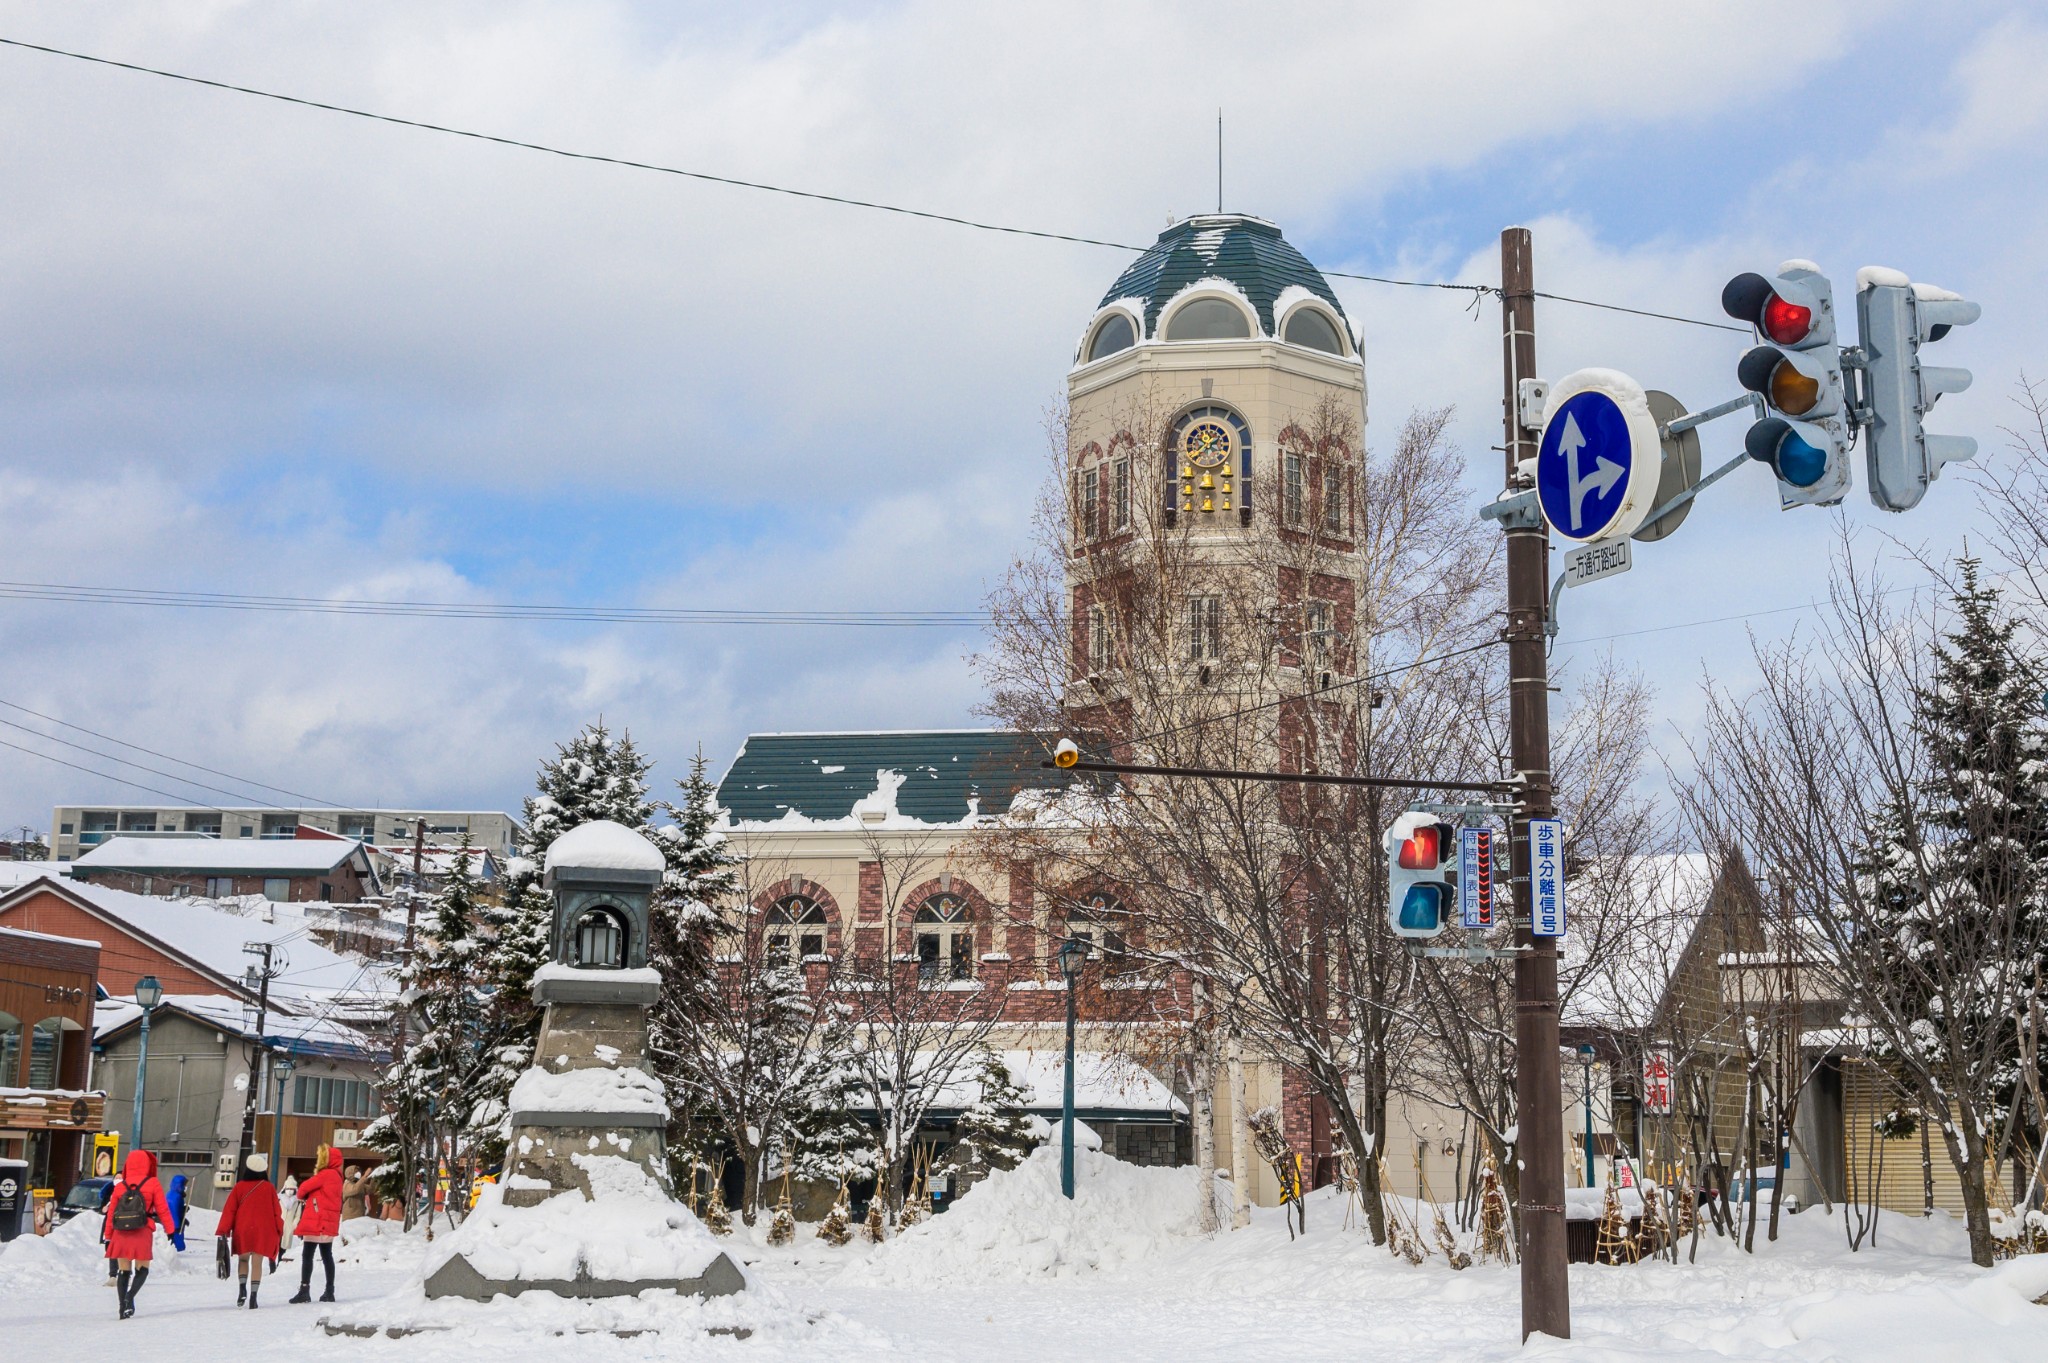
{"x":131,"y":1211}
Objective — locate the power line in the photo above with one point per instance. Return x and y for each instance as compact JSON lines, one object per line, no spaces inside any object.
{"x":109,"y":776}
{"x":464,"y":610}
{"x":122,"y":742}
{"x":817,"y":196}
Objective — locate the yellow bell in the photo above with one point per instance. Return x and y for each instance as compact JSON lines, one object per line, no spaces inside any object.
{"x":1207,"y":482}
{"x":1187,"y":506}
{"x":1207,"y":505}
{"x":1187,"y":471}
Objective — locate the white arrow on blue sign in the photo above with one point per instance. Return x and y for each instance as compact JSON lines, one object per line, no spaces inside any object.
{"x":1599,"y":460}
{"x":1546,"y":874}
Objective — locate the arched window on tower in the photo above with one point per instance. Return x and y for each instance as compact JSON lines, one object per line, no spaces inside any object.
{"x":795,"y":929}
{"x":1208,"y":319}
{"x":1114,"y":334}
{"x":1311,"y":327}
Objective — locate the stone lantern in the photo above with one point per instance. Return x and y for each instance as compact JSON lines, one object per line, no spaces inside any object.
{"x":588,"y":1117}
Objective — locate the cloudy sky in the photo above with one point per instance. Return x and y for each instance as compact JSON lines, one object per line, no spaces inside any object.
{"x":250,"y":348}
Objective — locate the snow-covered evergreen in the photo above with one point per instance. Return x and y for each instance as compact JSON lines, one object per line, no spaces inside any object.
{"x":994,"y":1132}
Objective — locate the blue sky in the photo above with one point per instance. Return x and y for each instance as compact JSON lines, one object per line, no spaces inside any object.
{"x":254,"y":348}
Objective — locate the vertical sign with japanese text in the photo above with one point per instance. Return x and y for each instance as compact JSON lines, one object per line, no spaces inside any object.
{"x":1546,"y":871}
{"x":1657,"y":1082}
{"x":1475,"y":877}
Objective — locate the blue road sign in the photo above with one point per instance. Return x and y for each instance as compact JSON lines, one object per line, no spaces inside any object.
{"x":1546,"y":870}
{"x":1475,"y":877}
{"x":1584,"y":464}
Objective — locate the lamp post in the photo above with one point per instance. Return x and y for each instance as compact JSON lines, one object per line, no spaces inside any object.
{"x":149,"y":992}
{"x":1072,"y":953}
{"x":284,"y":1068}
{"x":1586,"y":1091}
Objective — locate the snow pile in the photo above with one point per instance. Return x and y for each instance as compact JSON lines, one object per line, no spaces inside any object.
{"x":72,"y":1252}
{"x":595,"y":1091}
{"x":602,"y":845}
{"x":1017,"y":1225}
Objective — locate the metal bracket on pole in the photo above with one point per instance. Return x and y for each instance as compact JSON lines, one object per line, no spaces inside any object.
{"x":1515,"y":511}
{"x":1692,"y":419}
{"x":1473,"y":950}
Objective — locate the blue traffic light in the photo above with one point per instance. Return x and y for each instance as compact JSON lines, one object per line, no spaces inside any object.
{"x":1422,"y":908}
{"x":1799,"y":463}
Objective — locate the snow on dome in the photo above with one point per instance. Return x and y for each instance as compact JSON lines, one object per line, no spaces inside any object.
{"x":604,"y":846}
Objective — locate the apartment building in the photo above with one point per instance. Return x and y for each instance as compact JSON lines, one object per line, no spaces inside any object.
{"x":76,"y":829}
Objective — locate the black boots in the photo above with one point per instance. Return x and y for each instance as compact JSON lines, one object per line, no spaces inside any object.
{"x":252,"y":1295}
{"x":242,"y":1293}
{"x":127,"y":1305}
{"x":328,"y":1295}
{"x":304,"y":1294}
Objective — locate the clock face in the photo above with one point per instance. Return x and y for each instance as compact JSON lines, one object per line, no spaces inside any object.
{"x":1206,"y":445}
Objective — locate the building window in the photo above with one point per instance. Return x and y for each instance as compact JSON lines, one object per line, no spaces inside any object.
{"x":1099,"y":922}
{"x":219,"y":887}
{"x":1090,"y":491}
{"x":1120,"y":494}
{"x":277,"y":889}
{"x":46,"y":1044}
{"x":944,"y":938}
{"x":599,"y":941}
{"x":1208,"y":319}
{"x":796,"y":929}
{"x":10,"y":1050}
{"x":1316,"y":632}
{"x":247,"y":831}
{"x":1309,"y":327}
{"x":1333,"y":496}
{"x":203,"y":823}
{"x":325,"y":1096}
{"x":64,"y":829}
{"x":1098,"y":640}
{"x":326,"y":892}
{"x":1205,"y":627}
{"x":1290,"y":489}
{"x":1116,"y":333}
{"x":280,"y":825}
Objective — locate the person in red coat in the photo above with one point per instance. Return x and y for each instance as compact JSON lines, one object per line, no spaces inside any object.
{"x":252,"y":1222}
{"x":319,"y":1221}
{"x":131,"y":1246}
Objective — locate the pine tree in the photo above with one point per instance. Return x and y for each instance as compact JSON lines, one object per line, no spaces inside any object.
{"x":994,"y":1132}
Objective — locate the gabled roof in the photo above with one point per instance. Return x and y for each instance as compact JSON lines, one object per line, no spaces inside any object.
{"x":1247,"y":252}
{"x":237,"y":856}
{"x":922,"y":778}
{"x":315,"y":1036}
{"x":1653,"y":905}
{"x":208,"y":939}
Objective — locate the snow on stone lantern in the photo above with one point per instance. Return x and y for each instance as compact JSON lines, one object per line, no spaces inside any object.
{"x":584,"y":1208}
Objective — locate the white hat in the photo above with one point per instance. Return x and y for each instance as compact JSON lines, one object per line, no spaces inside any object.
{"x":259,"y":1164}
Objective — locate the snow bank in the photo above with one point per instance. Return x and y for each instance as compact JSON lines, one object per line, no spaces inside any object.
{"x":72,"y":1253}
{"x":592,"y":1090}
{"x":1016,"y":1225}
{"x":602,"y":845}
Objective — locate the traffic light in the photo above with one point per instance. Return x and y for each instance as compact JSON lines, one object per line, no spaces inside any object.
{"x":1896,"y":317}
{"x":1421,"y":866}
{"x":1798,"y":372}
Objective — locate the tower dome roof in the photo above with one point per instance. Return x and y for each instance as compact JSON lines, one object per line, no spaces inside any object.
{"x":1244,"y":251}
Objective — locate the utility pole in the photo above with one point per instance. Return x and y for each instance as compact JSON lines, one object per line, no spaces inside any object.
{"x":256,"y":1078}
{"x":1539,"y":1111}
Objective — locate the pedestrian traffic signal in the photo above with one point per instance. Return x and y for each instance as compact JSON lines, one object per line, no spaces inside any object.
{"x":1421,"y":870}
{"x":1798,"y":373}
{"x":1896,"y":317}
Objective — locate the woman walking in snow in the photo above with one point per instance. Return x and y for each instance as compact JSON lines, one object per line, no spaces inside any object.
{"x":252,"y":1227}
{"x":319,"y":1221}
{"x":135,"y":1207}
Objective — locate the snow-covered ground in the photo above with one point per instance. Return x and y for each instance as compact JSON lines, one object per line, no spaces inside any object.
{"x":1120,"y":1275}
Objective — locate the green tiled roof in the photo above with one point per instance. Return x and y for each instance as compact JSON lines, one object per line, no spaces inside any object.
{"x":821,"y":776}
{"x":1249,"y":252}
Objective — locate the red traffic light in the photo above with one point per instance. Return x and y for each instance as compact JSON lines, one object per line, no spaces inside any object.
{"x":1753,"y":299}
{"x":1422,"y":850}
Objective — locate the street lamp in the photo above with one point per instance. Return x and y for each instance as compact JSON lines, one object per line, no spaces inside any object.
{"x":1073,"y":952}
{"x":284,"y":1068}
{"x":149,"y":992}
{"x":1586,"y":1054}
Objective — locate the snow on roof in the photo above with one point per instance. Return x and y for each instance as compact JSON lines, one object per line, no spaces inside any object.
{"x":284,"y":1031}
{"x":602,"y":845}
{"x":47,"y":937}
{"x":212,"y":937}
{"x":13,"y":873}
{"x":224,"y":854}
{"x":1650,"y":910}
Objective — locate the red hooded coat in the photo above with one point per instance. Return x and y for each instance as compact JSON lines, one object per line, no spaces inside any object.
{"x":252,"y":1219}
{"x":138,"y":1171}
{"x":320,"y":1200}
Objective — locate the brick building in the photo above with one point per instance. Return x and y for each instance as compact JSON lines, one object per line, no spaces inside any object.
{"x":287,"y":870}
{"x":47,"y":1107}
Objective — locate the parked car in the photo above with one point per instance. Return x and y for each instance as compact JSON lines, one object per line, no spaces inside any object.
{"x":86,"y":1195}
